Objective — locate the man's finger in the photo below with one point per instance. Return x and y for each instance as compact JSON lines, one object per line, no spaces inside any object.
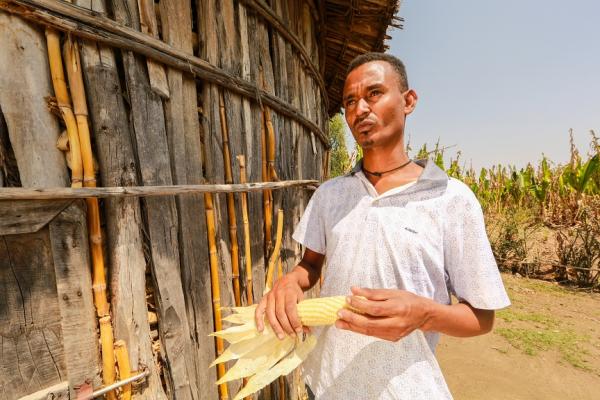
{"x":291,"y":309}
{"x":374,"y":294}
{"x":259,"y":314}
{"x":272,"y":317}
{"x":365,"y":324}
{"x":282,"y":317}
{"x":372,"y":307}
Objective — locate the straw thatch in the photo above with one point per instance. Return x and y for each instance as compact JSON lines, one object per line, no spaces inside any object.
{"x":353,"y":28}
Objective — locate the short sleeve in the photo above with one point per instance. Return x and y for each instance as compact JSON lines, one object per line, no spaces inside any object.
{"x":310,"y":231}
{"x":471,"y":270}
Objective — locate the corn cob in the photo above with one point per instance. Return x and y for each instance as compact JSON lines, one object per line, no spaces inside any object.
{"x":261,"y":355}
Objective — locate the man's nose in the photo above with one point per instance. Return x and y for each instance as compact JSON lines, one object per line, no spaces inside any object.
{"x":362,"y":107}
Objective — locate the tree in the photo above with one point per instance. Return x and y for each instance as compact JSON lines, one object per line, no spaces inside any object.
{"x":340,"y":161}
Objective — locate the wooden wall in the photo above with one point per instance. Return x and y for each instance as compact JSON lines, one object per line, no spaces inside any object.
{"x":148,"y":133}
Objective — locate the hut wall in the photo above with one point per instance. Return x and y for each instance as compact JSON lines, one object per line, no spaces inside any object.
{"x":156,"y":251}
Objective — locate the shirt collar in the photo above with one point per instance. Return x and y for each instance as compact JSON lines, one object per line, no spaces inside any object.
{"x":432,"y":177}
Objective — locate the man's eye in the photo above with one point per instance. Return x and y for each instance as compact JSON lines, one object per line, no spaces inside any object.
{"x":350,"y":102}
{"x":375,"y":93}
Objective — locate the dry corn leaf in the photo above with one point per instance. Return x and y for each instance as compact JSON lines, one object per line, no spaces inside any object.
{"x":284,"y":367}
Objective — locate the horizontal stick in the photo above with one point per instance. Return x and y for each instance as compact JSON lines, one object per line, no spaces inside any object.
{"x":55,"y":391}
{"x":143,"y":191}
{"x":97,"y":27}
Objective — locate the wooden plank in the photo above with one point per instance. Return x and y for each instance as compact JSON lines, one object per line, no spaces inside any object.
{"x":32,"y":129}
{"x":249,"y":33}
{"x":161,"y":216}
{"x":185,"y":150}
{"x":156,"y":71}
{"x":9,"y":172}
{"x":70,"y":253}
{"x":118,"y":167}
{"x":30,"y":322}
{"x":30,"y":216}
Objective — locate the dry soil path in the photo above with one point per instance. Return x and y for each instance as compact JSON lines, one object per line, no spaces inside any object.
{"x":545,"y":346}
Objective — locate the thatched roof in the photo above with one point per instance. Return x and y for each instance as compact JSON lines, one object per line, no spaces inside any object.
{"x":353,"y":27}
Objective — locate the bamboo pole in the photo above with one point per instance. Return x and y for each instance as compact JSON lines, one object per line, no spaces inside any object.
{"x":216,"y":291}
{"x":235,"y":267}
{"x":267,"y":195}
{"x":124,"y":367}
{"x":75,"y":76}
{"x":279,"y":268}
{"x":247,"y":248}
{"x":270,"y":146}
{"x":275,"y":254}
{"x":64,"y":105}
{"x":108,"y":364}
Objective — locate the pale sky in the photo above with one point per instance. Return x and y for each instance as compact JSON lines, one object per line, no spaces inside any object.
{"x":502,"y":80}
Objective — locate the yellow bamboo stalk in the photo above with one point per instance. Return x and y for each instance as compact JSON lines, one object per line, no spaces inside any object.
{"x":235,"y":268}
{"x":267,"y":194}
{"x":247,"y":249}
{"x":64,"y":105}
{"x":108,"y":354}
{"x":75,"y":76}
{"x":270,"y":146}
{"x":124,"y":367}
{"x":275,"y":254}
{"x":214,"y":283}
{"x":279,"y":268}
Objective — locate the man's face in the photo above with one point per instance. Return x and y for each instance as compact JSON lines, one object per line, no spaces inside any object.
{"x":375,"y":106}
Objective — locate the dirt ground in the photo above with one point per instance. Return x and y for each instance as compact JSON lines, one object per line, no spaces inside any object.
{"x":545,"y":346}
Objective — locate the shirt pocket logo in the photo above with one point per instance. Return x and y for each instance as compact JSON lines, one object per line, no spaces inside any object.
{"x":410,"y":230}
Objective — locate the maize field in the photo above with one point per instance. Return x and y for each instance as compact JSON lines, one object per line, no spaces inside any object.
{"x":543,"y":220}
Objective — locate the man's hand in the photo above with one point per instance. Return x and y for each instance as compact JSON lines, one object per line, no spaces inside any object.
{"x":279,"y":305}
{"x":388,"y":314}
{"x":392,"y":314}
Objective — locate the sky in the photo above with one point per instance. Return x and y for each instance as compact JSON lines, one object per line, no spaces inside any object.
{"x":502,"y":81}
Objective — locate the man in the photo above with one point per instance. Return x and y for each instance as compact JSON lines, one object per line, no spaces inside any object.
{"x":401,"y":236}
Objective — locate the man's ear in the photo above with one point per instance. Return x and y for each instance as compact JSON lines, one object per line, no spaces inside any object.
{"x":410,"y":101}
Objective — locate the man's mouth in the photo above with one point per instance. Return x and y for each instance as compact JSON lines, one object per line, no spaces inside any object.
{"x":364,"y":127}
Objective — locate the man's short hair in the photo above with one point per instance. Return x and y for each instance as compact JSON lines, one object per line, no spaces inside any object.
{"x":395,"y":62}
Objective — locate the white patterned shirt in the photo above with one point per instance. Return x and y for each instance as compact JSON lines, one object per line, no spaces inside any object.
{"x":428,"y":238}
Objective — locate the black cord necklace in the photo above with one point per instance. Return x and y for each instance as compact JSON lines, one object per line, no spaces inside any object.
{"x":375,"y":173}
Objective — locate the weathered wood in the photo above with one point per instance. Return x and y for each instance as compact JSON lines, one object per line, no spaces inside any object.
{"x":262,"y":70}
{"x":144,"y":191}
{"x":65,"y":17}
{"x":161,"y":215}
{"x":9,"y":172}
{"x":279,"y":24}
{"x":250,"y":62}
{"x":213,"y":30}
{"x":156,"y":71}
{"x":70,"y":253}
{"x":26,"y":217}
{"x":30,"y":322}
{"x":117,"y":167}
{"x":186,"y":160}
{"x":32,"y":129}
